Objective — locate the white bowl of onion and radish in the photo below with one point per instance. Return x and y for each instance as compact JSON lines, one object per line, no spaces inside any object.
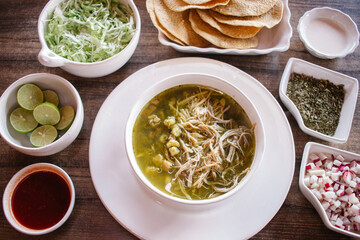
{"x":330,"y":180}
{"x":64,"y":136}
{"x":201,"y":153}
{"x":88,"y":39}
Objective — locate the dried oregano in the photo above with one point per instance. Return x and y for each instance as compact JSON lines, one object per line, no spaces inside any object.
{"x":319,"y":101}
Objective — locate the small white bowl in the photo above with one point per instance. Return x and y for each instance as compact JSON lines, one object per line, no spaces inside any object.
{"x":68,"y":95}
{"x":351,"y":87}
{"x":312,"y":147}
{"x":90,"y":70}
{"x":17,"y":178}
{"x":328,"y":33}
{"x":276,"y":39}
{"x":201,"y":80}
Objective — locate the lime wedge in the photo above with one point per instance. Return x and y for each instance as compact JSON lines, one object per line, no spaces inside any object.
{"x":43,"y":135}
{"x":29,"y":96}
{"x":46,"y":114}
{"x":23,"y":120}
{"x":51,"y":97}
{"x":67,"y":116}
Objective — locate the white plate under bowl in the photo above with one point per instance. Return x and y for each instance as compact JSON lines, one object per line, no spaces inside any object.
{"x":328,"y":33}
{"x":351,"y":87}
{"x":276,"y":39}
{"x":312,"y":147}
{"x":239,"y":217}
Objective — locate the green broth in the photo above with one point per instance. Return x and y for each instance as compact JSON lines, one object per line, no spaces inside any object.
{"x":152,"y":134}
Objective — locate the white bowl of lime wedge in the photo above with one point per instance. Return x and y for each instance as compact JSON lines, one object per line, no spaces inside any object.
{"x":40,"y":114}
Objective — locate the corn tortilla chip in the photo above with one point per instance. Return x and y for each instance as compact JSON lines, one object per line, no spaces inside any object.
{"x":268,"y":19}
{"x":151,"y":11}
{"x":216,"y":37}
{"x":241,"y":8}
{"x":177,"y":23}
{"x":196,"y":1}
{"x":229,"y":30}
{"x":180,"y":5}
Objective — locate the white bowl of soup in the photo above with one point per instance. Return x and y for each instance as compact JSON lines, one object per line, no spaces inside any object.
{"x":194,"y":139}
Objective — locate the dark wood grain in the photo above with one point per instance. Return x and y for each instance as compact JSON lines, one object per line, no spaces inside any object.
{"x":19,"y":46}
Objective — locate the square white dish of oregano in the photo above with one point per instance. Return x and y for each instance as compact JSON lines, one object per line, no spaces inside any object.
{"x":321,"y":100}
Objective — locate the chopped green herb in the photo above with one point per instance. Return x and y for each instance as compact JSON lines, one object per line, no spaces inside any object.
{"x":319,"y":102}
{"x":89,"y":31}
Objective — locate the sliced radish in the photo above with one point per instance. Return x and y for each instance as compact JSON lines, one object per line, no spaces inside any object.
{"x":352,"y":184}
{"x":349,"y":190}
{"x":339,"y":222}
{"x":354,"y":209}
{"x":357,"y":218}
{"x":328,"y":195}
{"x":325,"y":205}
{"x":313,"y":179}
{"x":340,"y":192}
{"x":317,"y":172}
{"x":314,"y":158}
{"x":322,"y":157}
{"x":309,"y":166}
{"x":329,"y":165}
{"x":337,"y":163}
{"x":340,"y":158}
{"x":353,"y":199}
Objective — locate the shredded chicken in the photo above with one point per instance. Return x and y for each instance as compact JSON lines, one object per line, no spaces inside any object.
{"x":211,"y":148}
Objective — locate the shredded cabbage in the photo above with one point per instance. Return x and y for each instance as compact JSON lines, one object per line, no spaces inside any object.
{"x":89,"y":31}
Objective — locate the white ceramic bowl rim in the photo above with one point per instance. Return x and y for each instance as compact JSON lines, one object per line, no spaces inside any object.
{"x":45,"y":47}
{"x":351,"y":27}
{"x":16,"y":179}
{"x":63,"y":140}
{"x":152,"y":92}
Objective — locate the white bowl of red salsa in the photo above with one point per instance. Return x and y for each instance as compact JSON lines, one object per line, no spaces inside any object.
{"x":38,"y":199}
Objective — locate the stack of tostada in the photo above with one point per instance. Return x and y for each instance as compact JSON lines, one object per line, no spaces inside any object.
{"x":222,"y":23}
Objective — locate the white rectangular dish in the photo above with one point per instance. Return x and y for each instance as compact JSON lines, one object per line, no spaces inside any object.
{"x":276,"y":39}
{"x":351,"y":87}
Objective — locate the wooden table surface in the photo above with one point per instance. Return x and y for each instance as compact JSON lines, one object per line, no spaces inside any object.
{"x":19,"y":47}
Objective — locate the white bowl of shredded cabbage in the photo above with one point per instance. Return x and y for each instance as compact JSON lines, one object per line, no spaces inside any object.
{"x":88,"y":38}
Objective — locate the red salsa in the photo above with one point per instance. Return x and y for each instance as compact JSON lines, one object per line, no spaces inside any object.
{"x":40,"y":200}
